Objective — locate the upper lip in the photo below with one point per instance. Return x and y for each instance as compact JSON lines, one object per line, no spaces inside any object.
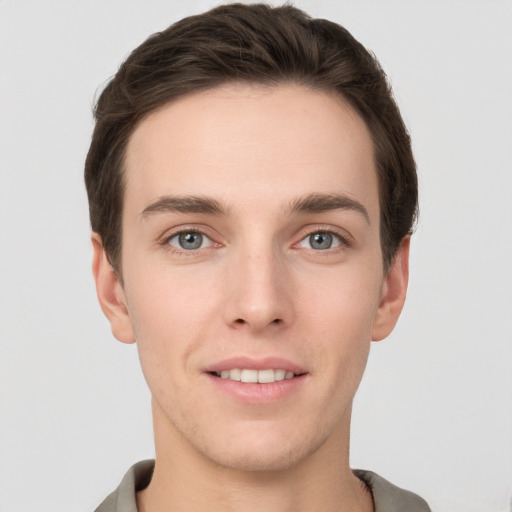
{"x":249,"y":363}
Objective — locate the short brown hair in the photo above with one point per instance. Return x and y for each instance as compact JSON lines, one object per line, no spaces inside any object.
{"x":256,"y":44}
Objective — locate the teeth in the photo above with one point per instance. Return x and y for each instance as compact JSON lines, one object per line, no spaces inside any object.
{"x":253,"y":376}
{"x":249,"y":376}
{"x":235,"y":374}
{"x":266,"y":376}
{"x":279,"y":374}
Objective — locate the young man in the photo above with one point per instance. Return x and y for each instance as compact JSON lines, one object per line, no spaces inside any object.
{"x":252,"y":191}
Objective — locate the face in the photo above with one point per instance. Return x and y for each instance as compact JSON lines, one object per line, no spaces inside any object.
{"x":252,"y":271}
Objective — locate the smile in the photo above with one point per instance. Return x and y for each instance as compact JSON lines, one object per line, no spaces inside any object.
{"x":266,"y":376}
{"x":257,"y":381}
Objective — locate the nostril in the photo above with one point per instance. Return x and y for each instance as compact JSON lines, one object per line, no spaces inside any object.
{"x":241,"y":321}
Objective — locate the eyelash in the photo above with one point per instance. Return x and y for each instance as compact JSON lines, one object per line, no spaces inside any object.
{"x":344,"y":241}
{"x":184,"y":252}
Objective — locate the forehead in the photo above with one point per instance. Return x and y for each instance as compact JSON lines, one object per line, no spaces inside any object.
{"x":251,"y":143}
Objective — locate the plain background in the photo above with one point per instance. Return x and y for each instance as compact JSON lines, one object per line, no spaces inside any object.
{"x":434,"y":412}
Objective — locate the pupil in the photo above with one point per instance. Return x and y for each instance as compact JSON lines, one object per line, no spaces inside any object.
{"x":321,"y":241}
{"x":190,"y":240}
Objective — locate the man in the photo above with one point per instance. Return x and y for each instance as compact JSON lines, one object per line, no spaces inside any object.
{"x":252,"y":191}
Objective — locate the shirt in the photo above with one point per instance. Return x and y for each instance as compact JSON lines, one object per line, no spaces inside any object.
{"x":386,"y":496}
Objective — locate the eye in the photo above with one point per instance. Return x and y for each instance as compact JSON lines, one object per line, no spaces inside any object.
{"x":321,"y":241}
{"x":189,"y":241}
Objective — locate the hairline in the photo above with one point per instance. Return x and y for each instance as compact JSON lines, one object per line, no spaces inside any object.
{"x":305,"y":82}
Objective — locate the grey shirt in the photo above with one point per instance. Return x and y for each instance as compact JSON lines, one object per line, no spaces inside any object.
{"x":386,"y":496}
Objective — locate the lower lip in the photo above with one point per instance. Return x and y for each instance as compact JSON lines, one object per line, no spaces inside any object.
{"x":256,"y":393}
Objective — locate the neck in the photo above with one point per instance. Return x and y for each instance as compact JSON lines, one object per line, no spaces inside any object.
{"x":185,"y":479}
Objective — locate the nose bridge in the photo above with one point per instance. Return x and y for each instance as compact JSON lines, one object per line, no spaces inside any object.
{"x":259,"y":288}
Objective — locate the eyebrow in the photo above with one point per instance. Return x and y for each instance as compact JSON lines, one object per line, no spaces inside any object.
{"x":310,"y":203}
{"x":184,"y":204}
{"x":318,"y":203}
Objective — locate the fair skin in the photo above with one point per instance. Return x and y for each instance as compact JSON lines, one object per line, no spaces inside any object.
{"x":251,"y":242}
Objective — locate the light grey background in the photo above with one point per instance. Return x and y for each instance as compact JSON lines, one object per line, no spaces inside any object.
{"x":434,"y":412}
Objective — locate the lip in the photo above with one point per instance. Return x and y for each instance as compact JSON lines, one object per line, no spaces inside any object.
{"x":249,"y":363}
{"x":256,"y":393}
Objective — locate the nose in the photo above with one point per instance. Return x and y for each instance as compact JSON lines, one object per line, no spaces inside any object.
{"x":259,"y":291}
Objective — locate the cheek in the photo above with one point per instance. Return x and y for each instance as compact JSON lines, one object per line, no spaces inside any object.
{"x":344,"y":304}
{"x":169,"y":315}
{"x":164,"y":299}
{"x":342,"y":314}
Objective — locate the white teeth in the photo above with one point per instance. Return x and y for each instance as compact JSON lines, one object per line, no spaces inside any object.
{"x":235,"y":374}
{"x":249,"y":376}
{"x":265,"y":376}
{"x":279,"y":374}
{"x":253,"y":376}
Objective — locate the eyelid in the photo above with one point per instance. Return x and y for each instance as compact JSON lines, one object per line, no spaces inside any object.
{"x":205,"y":238}
{"x":346,"y":240}
{"x":178,"y":230}
{"x":336,"y":241}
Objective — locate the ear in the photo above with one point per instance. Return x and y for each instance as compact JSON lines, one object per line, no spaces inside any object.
{"x":110,"y":293}
{"x":394,"y":290}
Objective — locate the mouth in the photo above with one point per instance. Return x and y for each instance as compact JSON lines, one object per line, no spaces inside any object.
{"x":257,"y":380}
{"x":249,"y":375}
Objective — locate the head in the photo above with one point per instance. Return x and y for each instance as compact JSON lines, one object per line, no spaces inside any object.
{"x":253,"y":44}
{"x":251,"y":190}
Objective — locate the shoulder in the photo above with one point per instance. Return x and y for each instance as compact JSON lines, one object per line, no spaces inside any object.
{"x":123,"y":499}
{"x":390,"y":498}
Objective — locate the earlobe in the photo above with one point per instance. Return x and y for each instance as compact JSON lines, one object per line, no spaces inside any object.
{"x":394,"y":292}
{"x":110,"y":293}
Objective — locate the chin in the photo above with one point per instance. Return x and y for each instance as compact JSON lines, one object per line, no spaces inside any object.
{"x":263,"y":454}
{"x":255,"y":445}
{"x":248,"y":461}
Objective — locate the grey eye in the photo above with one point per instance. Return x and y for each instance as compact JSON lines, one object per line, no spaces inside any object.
{"x":189,"y":241}
{"x":320,"y":241}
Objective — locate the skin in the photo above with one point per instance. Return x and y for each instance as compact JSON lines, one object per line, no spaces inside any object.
{"x":257,"y":287}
